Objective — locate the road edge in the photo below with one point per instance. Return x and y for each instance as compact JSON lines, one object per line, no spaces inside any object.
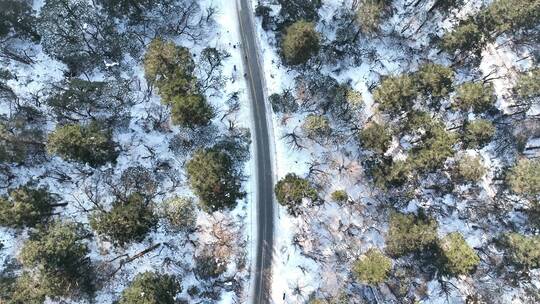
{"x":272,"y":148}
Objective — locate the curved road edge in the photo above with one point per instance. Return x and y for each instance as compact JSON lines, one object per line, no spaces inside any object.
{"x":261,"y":271}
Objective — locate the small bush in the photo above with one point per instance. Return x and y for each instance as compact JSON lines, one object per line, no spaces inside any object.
{"x":478,"y":133}
{"x":139,"y":179}
{"x":26,"y":207}
{"x":292,"y":190}
{"x":129,"y":220}
{"x":524,"y":177}
{"x":476,"y":96}
{"x":373,"y":267}
{"x":283,"y":103}
{"x":264,"y":11}
{"x":410,"y":234}
{"x":317,"y":126}
{"x":90,"y":144}
{"x":457,"y":256}
{"x":209,"y":266}
{"x":376,"y":137}
{"x":300,"y":42}
{"x":21,"y":139}
{"x":152,"y":288}
{"x":522,"y":251}
{"x":469,"y":169}
{"x":370,"y":14}
{"x":340,"y":196}
{"x":181,"y":213}
{"x":354,"y":98}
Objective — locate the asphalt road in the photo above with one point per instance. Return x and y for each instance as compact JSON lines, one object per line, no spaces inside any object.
{"x":264,"y":188}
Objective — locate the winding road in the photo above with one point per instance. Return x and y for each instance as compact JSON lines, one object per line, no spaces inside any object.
{"x":261,"y":271}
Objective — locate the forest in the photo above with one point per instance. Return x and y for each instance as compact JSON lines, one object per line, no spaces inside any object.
{"x":122,"y":155}
{"x":406,"y":136}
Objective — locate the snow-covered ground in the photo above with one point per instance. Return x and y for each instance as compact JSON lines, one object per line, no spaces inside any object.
{"x":140,"y":145}
{"x":308,"y":248}
{"x":313,"y":252}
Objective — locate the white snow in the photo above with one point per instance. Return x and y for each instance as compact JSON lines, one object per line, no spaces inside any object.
{"x":297,"y":272}
{"x":313,"y":251}
{"x":141,"y":145}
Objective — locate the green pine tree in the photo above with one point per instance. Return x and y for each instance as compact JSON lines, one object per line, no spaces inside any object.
{"x":129,"y":220}
{"x":435,"y":80}
{"x":372,"y":268}
{"x":26,"y":207}
{"x":376,"y":137}
{"x":528,"y":84}
{"x":58,"y":257}
{"x":390,"y":174}
{"x":165,"y":60}
{"x":522,"y":251}
{"x":213,"y":177}
{"x":91,"y":143}
{"x":524,"y":177}
{"x":408,"y":233}
{"x":467,"y":37}
{"x":191,"y":111}
{"x":396,"y":94}
{"x":151,"y":288}
{"x":292,"y":190}
{"x":16,"y":19}
{"x":458,"y":258}
{"x":476,"y":96}
{"x":300,"y":42}
{"x":436,"y":146}
{"x":478,"y":133}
